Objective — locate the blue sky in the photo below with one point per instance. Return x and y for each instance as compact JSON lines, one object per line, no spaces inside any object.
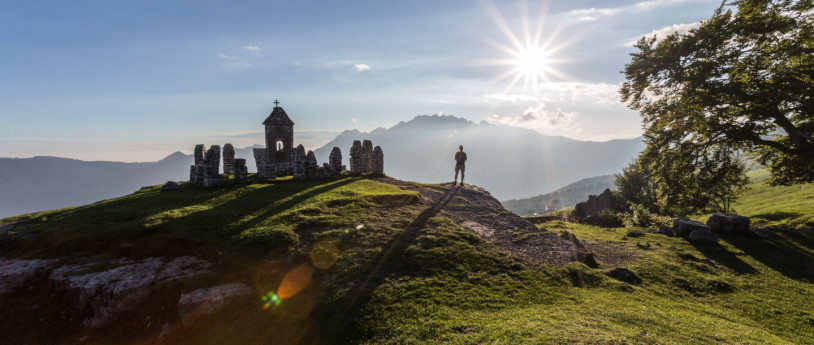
{"x":137,"y":80}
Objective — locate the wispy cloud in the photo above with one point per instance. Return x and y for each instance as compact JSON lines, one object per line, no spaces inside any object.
{"x":662,"y":33}
{"x":510,"y":98}
{"x":541,"y":119}
{"x":227,"y":57}
{"x":252,"y":48}
{"x":361,"y":67}
{"x":595,"y":93}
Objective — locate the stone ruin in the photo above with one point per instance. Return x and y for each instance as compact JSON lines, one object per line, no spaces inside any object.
{"x":241,"y":171}
{"x":228,"y":159}
{"x":598,"y":210}
{"x":365,"y":159}
{"x":280,"y":158}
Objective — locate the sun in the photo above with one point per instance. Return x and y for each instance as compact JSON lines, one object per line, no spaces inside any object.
{"x":531,"y":55}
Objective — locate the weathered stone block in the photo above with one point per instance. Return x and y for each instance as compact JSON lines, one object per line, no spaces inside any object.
{"x":703,"y":236}
{"x":241,"y":171}
{"x":311,"y":167}
{"x":367,"y":157}
{"x":228,"y":159}
{"x":199,"y":154}
{"x":729,"y":223}
{"x":335,"y":161}
{"x":356,"y":157}
{"x":684,"y":227}
{"x":378,"y":161}
{"x":300,"y":163}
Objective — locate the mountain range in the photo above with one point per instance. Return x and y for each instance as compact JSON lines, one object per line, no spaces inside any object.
{"x":510,"y":162}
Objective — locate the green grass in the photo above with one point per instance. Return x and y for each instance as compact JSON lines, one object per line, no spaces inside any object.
{"x":412,"y":275}
{"x":788,"y":206}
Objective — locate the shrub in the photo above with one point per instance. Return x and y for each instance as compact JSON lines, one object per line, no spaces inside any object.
{"x":640,"y":216}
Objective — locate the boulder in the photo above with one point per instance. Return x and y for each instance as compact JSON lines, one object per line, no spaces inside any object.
{"x":684,"y":227}
{"x":665,"y":230}
{"x":581,"y":254}
{"x":15,"y":273}
{"x":635,"y":233}
{"x":170,"y":185}
{"x":624,"y":275}
{"x":703,"y":236}
{"x":207,"y":301}
{"x":729,"y":223}
{"x":122,"y":286}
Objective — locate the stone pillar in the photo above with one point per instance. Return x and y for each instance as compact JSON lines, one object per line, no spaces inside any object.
{"x":211,"y":166}
{"x":199,"y":154}
{"x":356,"y":157}
{"x":241,"y":171}
{"x":265,"y":170}
{"x":228,"y":159}
{"x":300,"y":163}
{"x":378,"y":161}
{"x":335,"y":161}
{"x":311,"y":167}
{"x":193,"y":174}
{"x":367,"y":157}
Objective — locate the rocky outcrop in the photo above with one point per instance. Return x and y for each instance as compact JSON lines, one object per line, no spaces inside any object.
{"x":170,"y":185}
{"x":125,"y":284}
{"x":202,"y":302}
{"x":15,"y":273}
{"x":581,"y":253}
{"x":729,"y":223}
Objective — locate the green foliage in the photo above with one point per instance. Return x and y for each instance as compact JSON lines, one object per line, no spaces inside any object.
{"x":641,"y":216}
{"x":743,"y":80}
{"x":635,"y":186}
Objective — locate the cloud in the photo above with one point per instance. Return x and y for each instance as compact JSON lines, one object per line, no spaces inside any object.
{"x":588,"y":18}
{"x":662,"y":33}
{"x":252,"y":48}
{"x":361,"y":67}
{"x":539,"y":118}
{"x":510,"y":98}
{"x":227,"y":57}
{"x":595,"y":93}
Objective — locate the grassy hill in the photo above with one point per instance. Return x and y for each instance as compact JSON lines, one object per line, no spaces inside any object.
{"x":561,"y":198}
{"x":393,"y":262}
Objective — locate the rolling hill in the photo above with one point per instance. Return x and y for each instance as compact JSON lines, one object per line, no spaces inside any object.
{"x":564,"y":197}
{"x":360,"y":260}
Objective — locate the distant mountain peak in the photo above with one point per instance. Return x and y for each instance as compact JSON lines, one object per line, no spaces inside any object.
{"x":173,"y":156}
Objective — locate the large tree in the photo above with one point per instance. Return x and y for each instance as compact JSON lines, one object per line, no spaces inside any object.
{"x":743,"y":81}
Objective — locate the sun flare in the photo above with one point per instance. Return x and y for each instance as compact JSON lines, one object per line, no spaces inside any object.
{"x":532,"y":53}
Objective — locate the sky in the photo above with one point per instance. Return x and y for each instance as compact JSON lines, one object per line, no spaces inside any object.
{"x":138,"y":80}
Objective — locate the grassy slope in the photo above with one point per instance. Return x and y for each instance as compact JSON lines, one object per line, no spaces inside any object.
{"x":790,"y":206}
{"x":412,"y":276}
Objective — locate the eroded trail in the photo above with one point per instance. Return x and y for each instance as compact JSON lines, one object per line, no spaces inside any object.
{"x":475,"y":209}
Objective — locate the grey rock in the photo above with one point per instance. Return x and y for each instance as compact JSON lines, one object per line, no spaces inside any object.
{"x":170,"y":185}
{"x":665,"y":230}
{"x":207,"y":301}
{"x":378,"y":161}
{"x":635,"y":233}
{"x":703,"y":236}
{"x":228,"y":159}
{"x":128,"y":283}
{"x":356,"y":157}
{"x":683,"y":226}
{"x":300,"y":163}
{"x":15,"y":273}
{"x":729,"y":223}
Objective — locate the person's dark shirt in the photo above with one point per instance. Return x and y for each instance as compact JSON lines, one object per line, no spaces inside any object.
{"x":460,"y":157}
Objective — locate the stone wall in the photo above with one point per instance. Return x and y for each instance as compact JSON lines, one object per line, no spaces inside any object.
{"x":265,"y":170}
{"x":241,"y":171}
{"x":378,"y":161}
{"x":356,"y":157}
{"x":211,"y":166}
{"x":311,"y":168}
{"x":335,"y":161}
{"x":300,"y":163}
{"x":228,"y":159}
{"x":367,"y":157}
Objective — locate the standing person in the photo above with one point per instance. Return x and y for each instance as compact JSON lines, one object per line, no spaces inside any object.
{"x":460,"y":161}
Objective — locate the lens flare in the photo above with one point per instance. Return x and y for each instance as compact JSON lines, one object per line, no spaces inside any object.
{"x":295,"y":281}
{"x":271,"y":300}
{"x":324,"y":254}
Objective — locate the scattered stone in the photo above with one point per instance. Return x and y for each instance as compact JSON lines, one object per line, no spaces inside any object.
{"x":624,"y":275}
{"x":228,"y":159}
{"x":300,"y":163}
{"x":15,"y":273}
{"x":683,"y":226}
{"x":367,"y":157}
{"x":335,"y":161}
{"x":729,"y":223}
{"x":356,"y":157}
{"x":170,"y":185}
{"x":645,"y":246}
{"x":703,"y":236}
{"x":635,"y":233}
{"x":311,"y":165}
{"x":378,"y":161}
{"x":241,"y":171}
{"x":665,"y":230}
{"x":207,"y":301}
{"x":128,"y":283}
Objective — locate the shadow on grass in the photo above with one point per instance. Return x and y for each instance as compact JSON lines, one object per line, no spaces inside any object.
{"x":724,"y":257}
{"x":782,"y":251}
{"x":343,"y":324}
{"x":778,"y":215}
